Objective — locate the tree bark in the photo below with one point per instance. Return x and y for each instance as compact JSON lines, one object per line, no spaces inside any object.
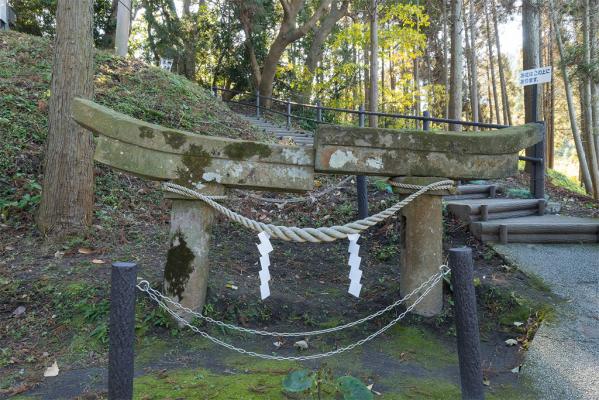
{"x":445,"y":71}
{"x":374,"y":63}
{"x":315,"y":52}
{"x":582,"y":160}
{"x":492,"y":66}
{"x":473,"y":66}
{"x":587,"y":99}
{"x":457,"y":61}
{"x":289,"y":32}
{"x":123,"y":27}
{"x":68,"y":184}
{"x":507,"y":114}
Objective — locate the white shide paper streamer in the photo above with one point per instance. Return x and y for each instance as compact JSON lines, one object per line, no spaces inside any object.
{"x":264,"y":248}
{"x":355,"y":274}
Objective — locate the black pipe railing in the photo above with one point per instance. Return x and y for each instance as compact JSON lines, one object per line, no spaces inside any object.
{"x":425,"y":118}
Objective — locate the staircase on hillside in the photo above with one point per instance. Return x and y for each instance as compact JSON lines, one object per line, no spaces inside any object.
{"x":300,"y":137}
{"x":517,"y":220}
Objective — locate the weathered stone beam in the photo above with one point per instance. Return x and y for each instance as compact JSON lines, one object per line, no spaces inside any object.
{"x":385,"y":152}
{"x":159,"y":153}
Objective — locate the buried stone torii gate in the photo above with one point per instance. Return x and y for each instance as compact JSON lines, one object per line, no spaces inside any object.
{"x":210,"y":165}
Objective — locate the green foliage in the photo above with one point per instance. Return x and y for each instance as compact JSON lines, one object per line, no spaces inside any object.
{"x":353,"y":389}
{"x":38,"y":17}
{"x":561,"y":180}
{"x":298,"y":381}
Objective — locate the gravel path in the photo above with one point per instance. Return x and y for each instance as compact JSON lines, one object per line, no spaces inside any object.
{"x":563,"y":360}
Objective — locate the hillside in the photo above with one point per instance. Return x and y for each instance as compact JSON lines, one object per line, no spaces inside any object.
{"x":129,"y":86}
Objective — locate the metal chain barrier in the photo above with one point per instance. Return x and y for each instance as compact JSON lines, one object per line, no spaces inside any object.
{"x":314,"y":235}
{"x":436,"y":279}
{"x":155,"y":295}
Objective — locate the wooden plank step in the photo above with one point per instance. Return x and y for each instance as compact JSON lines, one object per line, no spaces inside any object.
{"x":488,"y":209}
{"x":538,"y":229}
{"x":465,"y":192}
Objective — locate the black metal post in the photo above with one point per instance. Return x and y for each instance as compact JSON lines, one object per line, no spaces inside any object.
{"x":257,"y":104}
{"x":426,"y":124}
{"x":288,"y":114}
{"x":466,"y":320}
{"x":318,"y":111}
{"x":537,"y":171}
{"x":361,"y":182}
{"x":121,"y":330}
{"x":215,"y":91}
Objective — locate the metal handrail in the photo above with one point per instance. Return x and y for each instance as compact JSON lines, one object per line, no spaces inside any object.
{"x":423,"y":118}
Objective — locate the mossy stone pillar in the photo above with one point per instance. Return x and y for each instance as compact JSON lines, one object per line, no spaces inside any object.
{"x":188,"y":263}
{"x":421,"y":248}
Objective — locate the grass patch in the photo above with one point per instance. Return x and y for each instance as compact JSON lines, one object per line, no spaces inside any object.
{"x":414,"y":344}
{"x":558,"y":179}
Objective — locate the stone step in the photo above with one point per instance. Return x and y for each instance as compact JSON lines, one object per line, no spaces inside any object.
{"x":488,"y":209}
{"x":475,"y":192}
{"x":538,"y":229}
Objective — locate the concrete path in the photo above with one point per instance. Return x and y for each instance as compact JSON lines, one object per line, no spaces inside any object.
{"x":563,"y":360}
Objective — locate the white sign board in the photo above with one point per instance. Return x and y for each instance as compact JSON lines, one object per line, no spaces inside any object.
{"x":535,"y":76}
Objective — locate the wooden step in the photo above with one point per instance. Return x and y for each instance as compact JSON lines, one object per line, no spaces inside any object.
{"x":489,"y":209}
{"x":538,"y":229}
{"x":474,"y":192}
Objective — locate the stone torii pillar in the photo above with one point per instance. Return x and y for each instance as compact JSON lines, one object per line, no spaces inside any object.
{"x":421,"y":244}
{"x":187,"y":261}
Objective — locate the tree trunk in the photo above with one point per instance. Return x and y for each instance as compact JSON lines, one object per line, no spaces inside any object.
{"x":315,"y":52}
{"x":374,"y":62}
{"x":123,"y":27}
{"x":531,"y":51}
{"x":551,"y":119}
{"x":586,"y":96}
{"x":68,"y":184}
{"x":445,"y":58}
{"x":473,"y":66}
{"x":594,"y":36}
{"x":492,"y":66}
{"x":586,"y":176}
{"x":507,"y":115}
{"x":457,"y":61}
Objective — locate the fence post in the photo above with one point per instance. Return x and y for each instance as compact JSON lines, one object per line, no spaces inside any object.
{"x":215,"y":91}
{"x":361,"y":183}
{"x":537,"y":182}
{"x":466,"y":320}
{"x":257,"y":104}
{"x":288,"y":114}
{"x":123,"y":280}
{"x":318,"y":111}
{"x":426,"y":124}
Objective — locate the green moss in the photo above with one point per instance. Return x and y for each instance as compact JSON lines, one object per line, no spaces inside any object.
{"x":414,"y":344}
{"x":245,"y":150}
{"x":178,"y":265}
{"x":196,"y":159}
{"x":174,"y":139}
{"x":151,"y":350}
{"x":413,"y":388}
{"x":145,"y":132}
{"x":201,"y":383}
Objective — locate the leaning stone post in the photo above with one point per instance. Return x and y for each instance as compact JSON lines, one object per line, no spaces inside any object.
{"x":421,"y":248}
{"x":187,"y":262}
